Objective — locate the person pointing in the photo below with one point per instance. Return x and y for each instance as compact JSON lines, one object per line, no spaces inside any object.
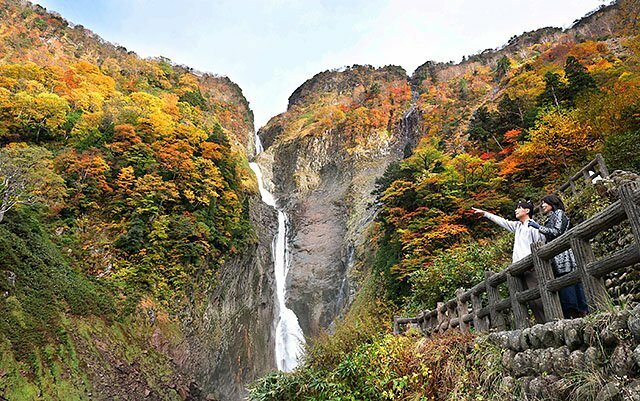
{"x":525,"y":235}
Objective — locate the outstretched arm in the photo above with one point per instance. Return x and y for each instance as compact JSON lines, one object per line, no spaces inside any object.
{"x":504,"y":223}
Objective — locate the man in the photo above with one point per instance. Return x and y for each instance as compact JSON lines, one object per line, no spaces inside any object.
{"x":525,"y":236}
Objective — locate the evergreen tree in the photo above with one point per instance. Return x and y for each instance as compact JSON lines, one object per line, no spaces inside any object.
{"x":555,"y":91}
{"x":503,"y":66}
{"x":481,"y":127}
{"x":578,"y":77}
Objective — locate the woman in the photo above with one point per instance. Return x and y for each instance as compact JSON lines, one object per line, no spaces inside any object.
{"x":572,"y":299}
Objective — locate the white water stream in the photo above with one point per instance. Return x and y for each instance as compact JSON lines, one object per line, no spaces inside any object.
{"x":289,"y":336}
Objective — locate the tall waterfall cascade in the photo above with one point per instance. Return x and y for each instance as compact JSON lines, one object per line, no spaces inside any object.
{"x":289,"y":337}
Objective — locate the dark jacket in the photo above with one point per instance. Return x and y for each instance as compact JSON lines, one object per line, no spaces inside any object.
{"x":555,"y":226}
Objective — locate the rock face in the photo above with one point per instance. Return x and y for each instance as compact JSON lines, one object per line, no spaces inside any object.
{"x":231,"y":344}
{"x":325,"y":184}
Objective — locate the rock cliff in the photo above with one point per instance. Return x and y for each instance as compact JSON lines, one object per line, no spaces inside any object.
{"x":231,"y":343}
{"x":324,"y":174}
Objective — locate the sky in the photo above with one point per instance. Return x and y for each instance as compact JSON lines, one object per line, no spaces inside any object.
{"x":270,"y":47}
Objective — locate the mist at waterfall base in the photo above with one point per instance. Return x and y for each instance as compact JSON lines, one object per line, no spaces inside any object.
{"x":289,"y":337}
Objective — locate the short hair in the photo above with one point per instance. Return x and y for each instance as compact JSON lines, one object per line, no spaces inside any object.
{"x":554,"y":201}
{"x":527,"y":204}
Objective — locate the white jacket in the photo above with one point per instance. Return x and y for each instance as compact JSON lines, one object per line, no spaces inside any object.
{"x":525,"y":235}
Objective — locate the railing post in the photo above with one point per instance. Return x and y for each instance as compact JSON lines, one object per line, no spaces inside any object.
{"x":479,"y":323}
{"x":451,"y":313}
{"x":544,"y":272}
{"x":594,"y":287}
{"x":497,"y":319}
{"x":520,"y":315}
{"x":602,"y":166}
{"x":396,"y":327}
{"x":441,"y":317}
{"x":463,"y":309}
{"x":587,"y":177}
{"x":631,"y":208}
{"x":573,"y":186}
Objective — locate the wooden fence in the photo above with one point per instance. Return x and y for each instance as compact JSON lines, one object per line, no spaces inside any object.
{"x":483,"y":308}
{"x":596,"y":168}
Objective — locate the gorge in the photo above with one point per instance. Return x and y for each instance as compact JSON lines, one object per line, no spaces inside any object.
{"x":176,"y":252}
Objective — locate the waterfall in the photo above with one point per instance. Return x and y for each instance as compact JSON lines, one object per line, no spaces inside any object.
{"x":289,"y":337}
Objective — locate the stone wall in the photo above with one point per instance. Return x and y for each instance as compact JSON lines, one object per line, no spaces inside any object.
{"x":597,"y":357}
{"x":622,"y":285}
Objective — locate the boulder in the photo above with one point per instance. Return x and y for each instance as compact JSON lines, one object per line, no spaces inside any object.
{"x":573,"y":333}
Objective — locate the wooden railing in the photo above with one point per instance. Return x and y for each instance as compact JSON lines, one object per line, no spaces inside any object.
{"x":596,"y":168}
{"x":484,"y":308}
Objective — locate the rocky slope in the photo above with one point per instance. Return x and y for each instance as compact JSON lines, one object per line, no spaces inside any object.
{"x":232,"y":343}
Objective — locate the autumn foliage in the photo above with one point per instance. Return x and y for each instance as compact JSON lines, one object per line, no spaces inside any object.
{"x":149,"y":155}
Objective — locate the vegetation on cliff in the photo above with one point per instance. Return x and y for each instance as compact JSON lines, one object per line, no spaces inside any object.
{"x":361,"y":105}
{"x":125,"y":182}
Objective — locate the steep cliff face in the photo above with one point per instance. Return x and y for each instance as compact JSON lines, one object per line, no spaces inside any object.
{"x":231,"y":343}
{"x":341,"y":131}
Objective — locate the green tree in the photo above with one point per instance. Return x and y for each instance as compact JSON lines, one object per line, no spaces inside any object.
{"x":578,"y":77}
{"x":555,"y":90}
{"x":503,"y":66}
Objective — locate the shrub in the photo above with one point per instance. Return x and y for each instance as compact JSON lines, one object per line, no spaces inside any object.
{"x":460,"y":267}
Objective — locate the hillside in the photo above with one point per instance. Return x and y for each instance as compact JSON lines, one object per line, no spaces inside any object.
{"x":129,"y":179}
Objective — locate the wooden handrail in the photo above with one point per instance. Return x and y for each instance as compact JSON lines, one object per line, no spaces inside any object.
{"x":600,"y":171}
{"x":458,"y":314}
